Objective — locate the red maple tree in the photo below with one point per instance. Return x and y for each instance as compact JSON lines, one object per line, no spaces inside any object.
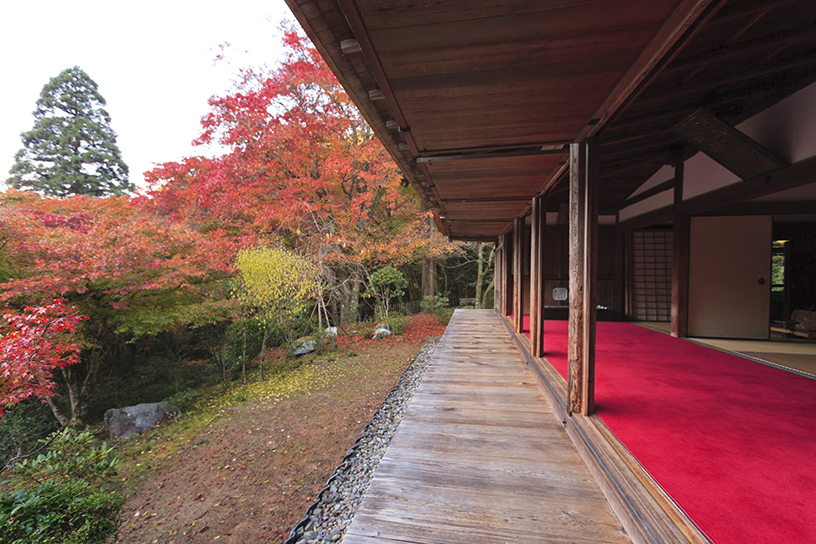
{"x":131,"y":272}
{"x":302,"y":165}
{"x":33,"y":349}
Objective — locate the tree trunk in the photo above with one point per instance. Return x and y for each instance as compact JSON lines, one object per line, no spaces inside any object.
{"x":244,"y":355}
{"x":62,"y":418}
{"x":428,"y":277}
{"x":79,"y":388}
{"x":482,"y":272}
{"x":263,"y":349}
{"x":349,"y":300}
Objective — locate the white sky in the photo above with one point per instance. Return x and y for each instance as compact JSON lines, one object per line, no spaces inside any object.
{"x":153,"y":61}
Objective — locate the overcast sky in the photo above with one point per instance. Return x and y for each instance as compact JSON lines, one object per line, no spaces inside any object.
{"x":153,"y":61}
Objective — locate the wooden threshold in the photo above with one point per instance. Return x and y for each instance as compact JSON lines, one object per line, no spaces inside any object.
{"x":644,"y":509}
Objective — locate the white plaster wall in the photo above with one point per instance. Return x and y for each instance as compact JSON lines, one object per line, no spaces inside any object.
{"x":788,"y":129}
{"x":653,"y":202}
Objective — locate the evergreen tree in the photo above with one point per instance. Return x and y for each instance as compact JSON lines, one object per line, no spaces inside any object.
{"x":72,"y":147}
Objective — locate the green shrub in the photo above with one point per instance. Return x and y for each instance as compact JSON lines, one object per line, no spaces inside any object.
{"x":22,"y":426}
{"x":59,"y":512}
{"x":394,"y":323}
{"x":430,"y":304}
{"x":185,"y":400}
{"x":443,"y":315}
{"x":437,"y":305}
{"x":71,"y":455}
{"x":66,"y":505}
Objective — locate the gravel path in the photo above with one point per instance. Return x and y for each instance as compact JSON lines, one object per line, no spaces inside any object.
{"x":327,"y":519}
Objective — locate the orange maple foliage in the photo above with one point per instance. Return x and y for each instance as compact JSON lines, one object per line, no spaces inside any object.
{"x":130,"y":272}
{"x":67,"y":247}
{"x":301,"y":165}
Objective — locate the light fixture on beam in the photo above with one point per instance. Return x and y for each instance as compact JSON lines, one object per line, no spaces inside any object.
{"x":403,"y":147}
{"x":425,"y":184}
{"x":350,"y":46}
{"x":376,"y":94}
{"x":392,"y":125}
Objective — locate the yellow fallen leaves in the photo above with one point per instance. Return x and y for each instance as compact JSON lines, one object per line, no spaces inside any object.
{"x":306,"y":378}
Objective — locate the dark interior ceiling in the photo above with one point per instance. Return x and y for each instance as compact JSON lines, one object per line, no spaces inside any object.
{"x":478,"y":100}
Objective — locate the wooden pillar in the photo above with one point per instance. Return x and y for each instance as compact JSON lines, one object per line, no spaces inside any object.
{"x":619,"y":300}
{"x":497,"y":279}
{"x":507,"y":287}
{"x":681,"y":239}
{"x":583,"y":266}
{"x":518,"y":274}
{"x":680,"y":276}
{"x":539,"y":216}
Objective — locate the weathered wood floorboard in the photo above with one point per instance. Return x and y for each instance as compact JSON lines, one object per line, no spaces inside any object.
{"x":480,"y":457}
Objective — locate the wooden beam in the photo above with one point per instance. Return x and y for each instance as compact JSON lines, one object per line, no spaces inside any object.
{"x":479,"y":200}
{"x":432,"y":158}
{"x":656,"y":54}
{"x":728,"y":145}
{"x":553,"y":178}
{"x":796,"y":175}
{"x":768,"y":41}
{"x":583,"y":259}
{"x":518,"y":274}
{"x":675,"y":94}
{"x":657,"y":189}
{"x":539,"y":216}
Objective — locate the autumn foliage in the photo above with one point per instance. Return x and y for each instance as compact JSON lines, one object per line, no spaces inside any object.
{"x":37,"y":344}
{"x":299,"y":169}
{"x":301,"y":164}
{"x":130,"y":272}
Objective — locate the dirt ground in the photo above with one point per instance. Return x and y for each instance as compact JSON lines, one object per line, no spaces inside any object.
{"x":249,"y":477}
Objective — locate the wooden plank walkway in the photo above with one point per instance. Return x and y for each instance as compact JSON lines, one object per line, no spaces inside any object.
{"x":480,"y":457}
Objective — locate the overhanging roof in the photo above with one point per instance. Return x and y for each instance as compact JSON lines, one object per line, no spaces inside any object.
{"x":476,"y":100}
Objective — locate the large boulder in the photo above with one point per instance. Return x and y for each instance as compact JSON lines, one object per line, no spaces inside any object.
{"x":125,"y":422}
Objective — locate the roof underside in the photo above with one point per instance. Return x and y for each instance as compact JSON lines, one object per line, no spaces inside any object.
{"x":476,"y":100}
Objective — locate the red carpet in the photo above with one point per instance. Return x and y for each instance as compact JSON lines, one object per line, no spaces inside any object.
{"x":733,"y":442}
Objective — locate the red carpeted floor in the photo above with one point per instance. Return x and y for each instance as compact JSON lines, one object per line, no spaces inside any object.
{"x":733,"y":442}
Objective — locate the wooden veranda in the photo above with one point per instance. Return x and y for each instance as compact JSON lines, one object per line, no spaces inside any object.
{"x":644,"y":160}
{"x":481,"y":457}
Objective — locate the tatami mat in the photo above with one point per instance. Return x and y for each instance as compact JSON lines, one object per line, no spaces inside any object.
{"x":797,"y":355}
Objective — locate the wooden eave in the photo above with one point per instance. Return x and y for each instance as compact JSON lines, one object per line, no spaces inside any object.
{"x":477,"y":101}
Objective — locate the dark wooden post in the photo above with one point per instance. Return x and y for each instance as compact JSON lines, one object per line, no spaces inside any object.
{"x":583,"y":259}
{"x":681,"y":238}
{"x":518,"y":274}
{"x":539,"y":216}
{"x":507,"y":288}
{"x":497,"y":274}
{"x":619,"y":300}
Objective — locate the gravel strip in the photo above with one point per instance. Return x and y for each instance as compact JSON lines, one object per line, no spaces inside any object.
{"x":328,"y":518}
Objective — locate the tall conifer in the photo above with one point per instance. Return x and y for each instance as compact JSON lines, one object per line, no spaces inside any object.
{"x":72,"y":147}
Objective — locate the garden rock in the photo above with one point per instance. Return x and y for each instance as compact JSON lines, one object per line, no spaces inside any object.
{"x":381,"y":332}
{"x":125,"y":422}
{"x":304,"y":345}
